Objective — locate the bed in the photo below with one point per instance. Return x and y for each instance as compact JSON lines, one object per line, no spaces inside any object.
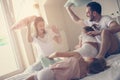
{"x":113,"y":73}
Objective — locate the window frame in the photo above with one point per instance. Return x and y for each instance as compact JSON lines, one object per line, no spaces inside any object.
{"x":13,"y":40}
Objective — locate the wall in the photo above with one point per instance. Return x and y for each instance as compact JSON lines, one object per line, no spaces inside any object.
{"x":73,"y":30}
{"x":55,"y":17}
{"x":112,"y":9}
{"x":57,"y":14}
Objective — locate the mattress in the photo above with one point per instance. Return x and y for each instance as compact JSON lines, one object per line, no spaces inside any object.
{"x":113,"y":73}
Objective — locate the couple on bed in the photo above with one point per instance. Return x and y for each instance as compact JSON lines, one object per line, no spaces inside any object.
{"x":98,"y":41}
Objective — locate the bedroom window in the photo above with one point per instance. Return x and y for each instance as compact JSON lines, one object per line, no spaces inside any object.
{"x":7,"y":51}
{"x":9,"y":58}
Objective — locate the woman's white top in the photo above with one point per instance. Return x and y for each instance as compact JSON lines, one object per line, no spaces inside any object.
{"x":87,"y":38}
{"x":45,"y":45}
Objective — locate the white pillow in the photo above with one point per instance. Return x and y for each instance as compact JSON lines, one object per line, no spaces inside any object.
{"x":76,"y":2}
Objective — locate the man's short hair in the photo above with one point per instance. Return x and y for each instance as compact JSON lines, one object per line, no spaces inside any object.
{"x":94,"y":6}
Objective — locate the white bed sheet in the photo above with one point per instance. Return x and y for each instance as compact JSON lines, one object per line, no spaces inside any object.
{"x":21,"y":76}
{"x":113,"y":73}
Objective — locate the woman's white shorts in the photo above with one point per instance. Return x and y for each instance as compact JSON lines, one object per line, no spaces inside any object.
{"x":87,"y":50}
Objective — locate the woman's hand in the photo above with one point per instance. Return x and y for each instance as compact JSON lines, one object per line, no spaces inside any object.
{"x":57,"y":38}
{"x":55,"y":29}
{"x":53,"y":55}
{"x":77,"y":46}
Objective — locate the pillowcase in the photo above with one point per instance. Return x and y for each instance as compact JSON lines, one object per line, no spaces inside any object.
{"x":23,"y":22}
{"x":76,"y":2}
{"x":46,"y":61}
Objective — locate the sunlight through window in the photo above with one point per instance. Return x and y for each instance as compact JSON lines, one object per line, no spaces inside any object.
{"x":7,"y":56}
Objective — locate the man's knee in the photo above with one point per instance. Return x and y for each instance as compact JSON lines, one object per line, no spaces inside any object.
{"x":106,"y":32}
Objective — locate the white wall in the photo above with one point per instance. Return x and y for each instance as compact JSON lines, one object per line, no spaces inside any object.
{"x":57,"y":14}
{"x":73,"y":30}
{"x":55,"y":17}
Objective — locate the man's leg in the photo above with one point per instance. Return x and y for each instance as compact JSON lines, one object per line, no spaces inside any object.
{"x":109,"y":43}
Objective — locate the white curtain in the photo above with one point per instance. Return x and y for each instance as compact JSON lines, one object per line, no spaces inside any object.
{"x":7,"y":9}
{"x":8,"y":52}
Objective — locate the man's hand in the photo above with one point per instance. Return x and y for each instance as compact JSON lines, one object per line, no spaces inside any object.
{"x":93,"y":33}
{"x":71,"y":5}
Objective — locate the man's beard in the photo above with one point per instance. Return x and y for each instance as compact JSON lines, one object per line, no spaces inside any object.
{"x":92,"y":18}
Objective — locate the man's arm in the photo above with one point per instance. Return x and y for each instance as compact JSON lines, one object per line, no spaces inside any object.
{"x":72,"y":14}
{"x":114,"y":27}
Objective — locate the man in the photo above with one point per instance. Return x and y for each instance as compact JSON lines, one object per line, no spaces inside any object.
{"x":105,"y":28}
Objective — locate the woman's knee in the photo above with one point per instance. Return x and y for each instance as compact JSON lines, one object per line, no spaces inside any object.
{"x":45,"y":74}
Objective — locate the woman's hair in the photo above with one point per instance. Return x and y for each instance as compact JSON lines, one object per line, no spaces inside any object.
{"x":97,"y":66}
{"x":37,"y":20}
{"x":88,"y":28}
